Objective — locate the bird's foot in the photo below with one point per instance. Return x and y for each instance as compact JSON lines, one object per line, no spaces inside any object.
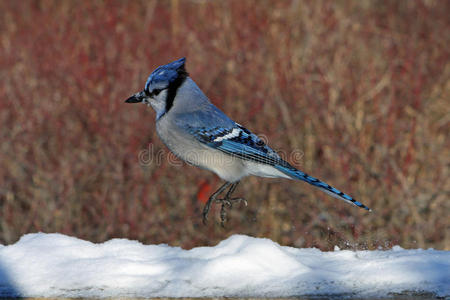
{"x":225,"y":203}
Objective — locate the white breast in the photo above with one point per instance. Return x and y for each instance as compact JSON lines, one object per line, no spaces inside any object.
{"x":187,"y":148}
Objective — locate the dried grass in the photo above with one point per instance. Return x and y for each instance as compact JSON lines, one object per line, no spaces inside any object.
{"x":362,"y":88}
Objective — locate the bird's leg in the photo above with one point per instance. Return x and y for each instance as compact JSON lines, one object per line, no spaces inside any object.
{"x":213,"y":198}
{"x":227,"y":201}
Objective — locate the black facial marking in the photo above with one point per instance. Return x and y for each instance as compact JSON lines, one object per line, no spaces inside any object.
{"x":173,"y":87}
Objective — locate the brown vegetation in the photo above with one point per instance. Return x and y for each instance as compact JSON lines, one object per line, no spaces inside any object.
{"x":362,"y":88}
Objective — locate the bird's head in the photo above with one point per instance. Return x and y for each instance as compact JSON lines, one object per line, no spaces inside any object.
{"x":161,"y":87}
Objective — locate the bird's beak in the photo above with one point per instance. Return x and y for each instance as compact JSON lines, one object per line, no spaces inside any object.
{"x":136,"y":98}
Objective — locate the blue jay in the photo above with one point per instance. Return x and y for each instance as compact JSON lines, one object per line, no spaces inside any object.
{"x":199,"y":133}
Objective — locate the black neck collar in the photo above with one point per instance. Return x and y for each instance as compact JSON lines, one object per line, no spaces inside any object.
{"x":173,"y":88}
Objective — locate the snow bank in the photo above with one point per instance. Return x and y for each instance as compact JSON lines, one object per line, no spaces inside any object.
{"x":55,"y":265}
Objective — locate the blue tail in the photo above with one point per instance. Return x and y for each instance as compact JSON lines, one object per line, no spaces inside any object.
{"x":297,"y":174}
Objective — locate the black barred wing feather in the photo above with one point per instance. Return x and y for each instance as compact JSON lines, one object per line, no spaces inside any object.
{"x":237,"y":141}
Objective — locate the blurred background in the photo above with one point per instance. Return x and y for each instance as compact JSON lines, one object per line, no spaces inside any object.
{"x":358,"y":89}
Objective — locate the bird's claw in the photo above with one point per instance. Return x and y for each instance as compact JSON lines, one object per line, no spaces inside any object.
{"x":225,"y":202}
{"x":228,"y":203}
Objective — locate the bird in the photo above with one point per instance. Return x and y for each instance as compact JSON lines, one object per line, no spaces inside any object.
{"x":198,"y":132}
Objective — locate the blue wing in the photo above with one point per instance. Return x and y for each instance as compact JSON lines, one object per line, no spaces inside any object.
{"x":212,"y":127}
{"x":237,"y":141}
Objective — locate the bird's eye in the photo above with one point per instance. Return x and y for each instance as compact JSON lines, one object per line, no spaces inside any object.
{"x":155,"y":92}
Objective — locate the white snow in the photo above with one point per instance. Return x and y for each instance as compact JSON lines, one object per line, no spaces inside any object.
{"x":55,"y":265}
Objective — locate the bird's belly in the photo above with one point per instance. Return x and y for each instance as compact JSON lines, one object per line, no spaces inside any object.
{"x":263,"y":170}
{"x":193,"y":152}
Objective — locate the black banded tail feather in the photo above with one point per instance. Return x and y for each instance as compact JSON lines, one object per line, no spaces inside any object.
{"x":297,"y":174}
